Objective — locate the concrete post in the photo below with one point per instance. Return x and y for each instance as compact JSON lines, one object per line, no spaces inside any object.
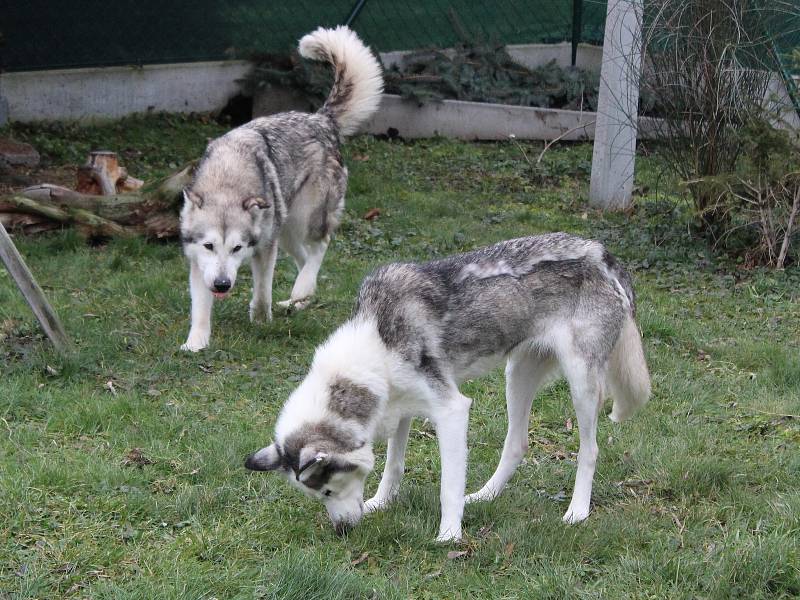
{"x":615,"y":131}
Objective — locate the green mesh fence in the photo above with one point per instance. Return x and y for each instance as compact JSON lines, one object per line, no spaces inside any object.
{"x":784,"y":28}
{"x":42,"y":34}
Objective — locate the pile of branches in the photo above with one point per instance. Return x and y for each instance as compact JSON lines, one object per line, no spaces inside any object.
{"x":474,"y":71}
{"x":487,"y":73}
{"x":312,"y":78}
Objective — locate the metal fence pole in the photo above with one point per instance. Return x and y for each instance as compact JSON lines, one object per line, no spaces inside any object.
{"x":577,"y":28}
{"x":355,"y":12}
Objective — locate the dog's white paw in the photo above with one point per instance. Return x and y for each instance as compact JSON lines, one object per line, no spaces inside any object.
{"x":294,"y":304}
{"x":575,"y":514}
{"x":482,"y":495}
{"x":375,"y":504}
{"x":260,"y":313}
{"x":449,"y":535}
{"x":196,"y":342}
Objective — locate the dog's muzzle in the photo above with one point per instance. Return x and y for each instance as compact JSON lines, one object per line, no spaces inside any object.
{"x":345,"y":525}
{"x":222,"y":286}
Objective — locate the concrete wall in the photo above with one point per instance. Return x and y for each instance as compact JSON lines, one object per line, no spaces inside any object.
{"x":113,"y":92}
{"x":779,"y":102}
{"x":480,"y":121}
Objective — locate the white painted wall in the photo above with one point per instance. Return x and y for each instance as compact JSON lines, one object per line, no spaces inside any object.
{"x":535,"y":55}
{"x":477,"y":121}
{"x":113,"y":92}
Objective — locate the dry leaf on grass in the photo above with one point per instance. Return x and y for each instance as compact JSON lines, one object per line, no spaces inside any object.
{"x":136,"y":458}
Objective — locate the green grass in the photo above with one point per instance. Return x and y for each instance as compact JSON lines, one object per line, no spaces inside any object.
{"x":697,"y":496}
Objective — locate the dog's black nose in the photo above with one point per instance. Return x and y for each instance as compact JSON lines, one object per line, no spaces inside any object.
{"x":222,"y":284}
{"x":252,"y":464}
{"x":342,"y":528}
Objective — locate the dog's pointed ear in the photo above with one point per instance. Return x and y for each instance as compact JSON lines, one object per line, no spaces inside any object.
{"x":266,"y":459}
{"x":255,"y":202}
{"x":190,"y":196}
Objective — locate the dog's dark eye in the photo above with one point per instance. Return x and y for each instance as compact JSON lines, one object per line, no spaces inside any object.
{"x":208,"y":246}
{"x":328,"y":492}
{"x":236,"y":248}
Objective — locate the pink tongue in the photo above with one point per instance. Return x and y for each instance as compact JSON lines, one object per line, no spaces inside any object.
{"x":220,"y":295}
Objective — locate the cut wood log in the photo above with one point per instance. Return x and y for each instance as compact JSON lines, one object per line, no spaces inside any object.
{"x":151,"y":211}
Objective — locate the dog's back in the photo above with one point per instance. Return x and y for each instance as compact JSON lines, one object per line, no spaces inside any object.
{"x":448,"y":315}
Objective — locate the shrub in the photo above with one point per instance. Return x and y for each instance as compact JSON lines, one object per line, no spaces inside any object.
{"x":761,"y":198}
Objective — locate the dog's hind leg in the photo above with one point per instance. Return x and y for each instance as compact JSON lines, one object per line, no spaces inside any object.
{"x":586,"y":388}
{"x":393,"y":471}
{"x":526,"y":373}
{"x":306,"y":283}
{"x":202,"y":303}
{"x":451,"y":421}
{"x":263,"y":270}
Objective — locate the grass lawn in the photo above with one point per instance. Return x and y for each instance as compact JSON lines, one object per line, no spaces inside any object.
{"x":121,"y":469}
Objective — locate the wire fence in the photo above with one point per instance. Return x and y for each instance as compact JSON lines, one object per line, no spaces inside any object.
{"x":783,"y":25}
{"x":41,"y":34}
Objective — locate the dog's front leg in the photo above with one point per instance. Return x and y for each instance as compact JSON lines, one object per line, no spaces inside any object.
{"x":393,"y":471}
{"x":451,"y":423}
{"x":263,"y":269}
{"x":202,"y":302}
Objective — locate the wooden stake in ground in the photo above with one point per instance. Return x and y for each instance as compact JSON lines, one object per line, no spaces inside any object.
{"x":33,"y":293}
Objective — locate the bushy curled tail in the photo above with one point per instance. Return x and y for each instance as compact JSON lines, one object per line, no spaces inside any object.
{"x":628,"y":380}
{"x":358,"y":80}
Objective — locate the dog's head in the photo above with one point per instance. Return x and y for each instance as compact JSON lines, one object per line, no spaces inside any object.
{"x":220,"y":231}
{"x":326,"y":462}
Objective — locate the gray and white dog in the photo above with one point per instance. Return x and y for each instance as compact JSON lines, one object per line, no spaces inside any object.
{"x":276,"y":181}
{"x":545,"y":304}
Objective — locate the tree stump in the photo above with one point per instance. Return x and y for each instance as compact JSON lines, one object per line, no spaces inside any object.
{"x":103,"y":175}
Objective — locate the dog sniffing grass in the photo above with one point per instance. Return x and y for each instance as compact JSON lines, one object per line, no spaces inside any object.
{"x":695,"y":497}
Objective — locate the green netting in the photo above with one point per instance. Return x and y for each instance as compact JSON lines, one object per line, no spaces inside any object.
{"x":42,"y":34}
{"x":784,"y":28}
